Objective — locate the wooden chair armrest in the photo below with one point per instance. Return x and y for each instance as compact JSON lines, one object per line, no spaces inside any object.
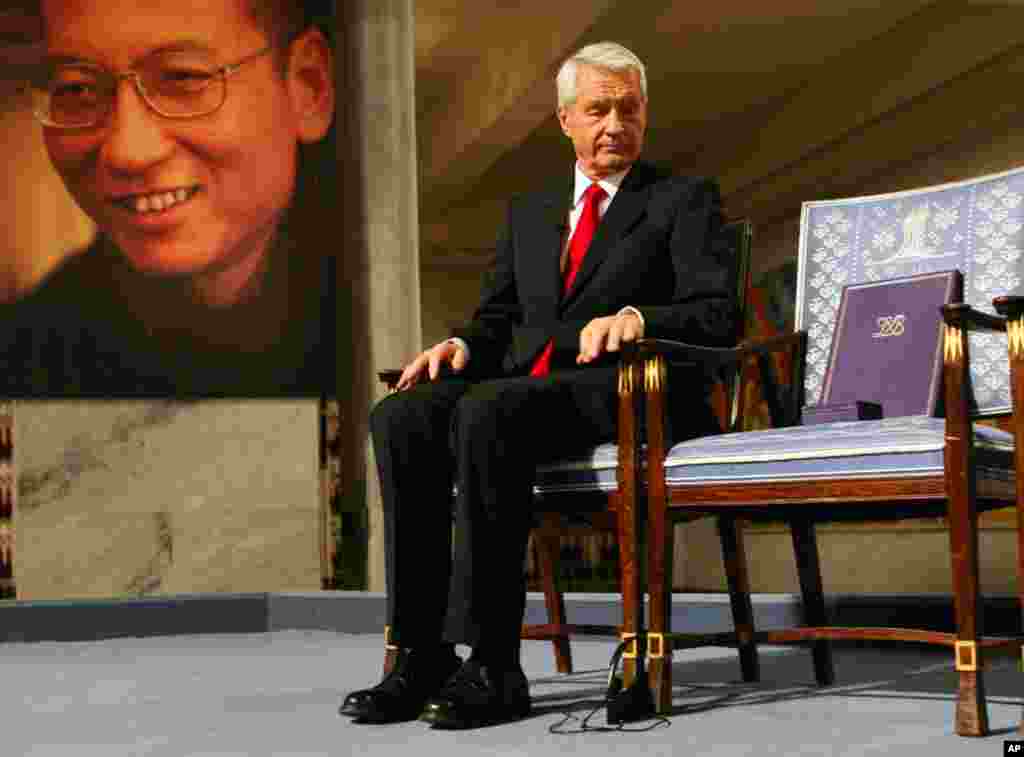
{"x":960,"y":318}
{"x":783,"y":404}
{"x":1010,"y":307}
{"x":715,"y":357}
{"x":964,"y":316}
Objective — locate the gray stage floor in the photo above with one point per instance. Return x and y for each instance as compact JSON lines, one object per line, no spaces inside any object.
{"x":277,"y":694}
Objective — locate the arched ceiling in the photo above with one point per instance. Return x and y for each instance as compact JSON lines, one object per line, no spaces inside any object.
{"x":782,"y":101}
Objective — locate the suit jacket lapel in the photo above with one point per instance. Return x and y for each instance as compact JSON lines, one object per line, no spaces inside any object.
{"x":547,"y":240}
{"x":629,"y":204}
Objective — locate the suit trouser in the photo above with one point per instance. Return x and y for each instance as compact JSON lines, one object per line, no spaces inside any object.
{"x":486,"y":437}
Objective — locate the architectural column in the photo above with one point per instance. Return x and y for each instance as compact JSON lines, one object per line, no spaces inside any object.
{"x":378,"y":281}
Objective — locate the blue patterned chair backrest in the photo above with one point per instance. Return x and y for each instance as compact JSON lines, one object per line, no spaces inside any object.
{"x":974,"y":226}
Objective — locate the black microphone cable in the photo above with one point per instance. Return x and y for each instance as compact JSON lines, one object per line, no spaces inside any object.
{"x":621,"y":705}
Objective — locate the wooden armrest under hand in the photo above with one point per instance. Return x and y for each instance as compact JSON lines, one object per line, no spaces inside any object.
{"x":717,"y":356}
{"x":783,"y":409}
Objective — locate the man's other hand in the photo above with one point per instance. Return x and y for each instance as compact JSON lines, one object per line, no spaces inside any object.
{"x":607,"y":334}
{"x":431,"y":362}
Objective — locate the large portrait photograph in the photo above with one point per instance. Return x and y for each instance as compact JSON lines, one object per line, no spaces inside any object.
{"x":171,"y":165}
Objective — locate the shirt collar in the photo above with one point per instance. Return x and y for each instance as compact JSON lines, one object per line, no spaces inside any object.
{"x":610,"y":184}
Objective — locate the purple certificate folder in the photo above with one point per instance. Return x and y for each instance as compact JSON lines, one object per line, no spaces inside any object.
{"x":887,"y":346}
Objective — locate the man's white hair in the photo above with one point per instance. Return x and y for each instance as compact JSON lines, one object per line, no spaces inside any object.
{"x":609,"y":55}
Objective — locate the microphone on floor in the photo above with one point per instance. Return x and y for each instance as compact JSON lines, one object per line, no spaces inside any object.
{"x":635,"y":702}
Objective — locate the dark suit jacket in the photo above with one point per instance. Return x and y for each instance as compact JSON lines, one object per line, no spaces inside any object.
{"x":652,"y":250}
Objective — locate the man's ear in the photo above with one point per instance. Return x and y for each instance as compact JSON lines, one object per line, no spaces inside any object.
{"x":563,"y":114}
{"x":310,"y":81}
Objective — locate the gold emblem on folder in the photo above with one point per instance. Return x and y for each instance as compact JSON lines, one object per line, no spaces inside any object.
{"x":890,"y":325}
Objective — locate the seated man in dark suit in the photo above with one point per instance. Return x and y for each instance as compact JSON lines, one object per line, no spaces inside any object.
{"x":617,"y":251}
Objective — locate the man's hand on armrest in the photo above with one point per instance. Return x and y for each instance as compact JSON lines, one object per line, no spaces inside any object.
{"x":451,"y":354}
{"x":609,"y":333}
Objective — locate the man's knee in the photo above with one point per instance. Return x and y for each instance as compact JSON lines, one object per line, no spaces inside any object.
{"x":485,"y":409}
{"x":393,"y":411}
{"x":421,"y":408}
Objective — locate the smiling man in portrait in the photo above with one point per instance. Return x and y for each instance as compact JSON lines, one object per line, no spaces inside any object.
{"x":195,"y":134}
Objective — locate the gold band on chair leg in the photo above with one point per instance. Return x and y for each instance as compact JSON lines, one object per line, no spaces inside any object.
{"x":388,"y":642}
{"x":953,"y":344}
{"x":966,"y":656}
{"x":1015,"y":337}
{"x":655,"y":646}
{"x":654,"y":373}
{"x":630,"y":652}
{"x":626,"y":379}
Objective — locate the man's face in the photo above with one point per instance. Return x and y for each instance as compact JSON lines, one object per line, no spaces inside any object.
{"x":607,"y":121}
{"x":235,"y":168}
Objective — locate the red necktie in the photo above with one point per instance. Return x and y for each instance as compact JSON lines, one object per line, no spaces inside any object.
{"x":585,"y":228}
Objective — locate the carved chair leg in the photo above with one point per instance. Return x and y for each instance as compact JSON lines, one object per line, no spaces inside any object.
{"x":971,"y":709}
{"x":546,"y":542}
{"x":661,"y":533}
{"x":1015,"y":343}
{"x":734,"y":556}
{"x":632,"y":592}
{"x":960,"y":475}
{"x":805,"y":546}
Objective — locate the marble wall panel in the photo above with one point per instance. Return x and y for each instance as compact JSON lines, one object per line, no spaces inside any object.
{"x":132,"y":498}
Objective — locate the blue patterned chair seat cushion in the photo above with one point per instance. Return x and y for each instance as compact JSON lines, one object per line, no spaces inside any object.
{"x":910,"y":446}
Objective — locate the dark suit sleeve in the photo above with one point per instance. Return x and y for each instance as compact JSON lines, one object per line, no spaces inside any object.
{"x":490,"y":331}
{"x":679,"y":282}
{"x":700,"y":311}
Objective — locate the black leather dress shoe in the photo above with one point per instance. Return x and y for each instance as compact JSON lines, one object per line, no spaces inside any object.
{"x":416,"y":676}
{"x":478,"y":695}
